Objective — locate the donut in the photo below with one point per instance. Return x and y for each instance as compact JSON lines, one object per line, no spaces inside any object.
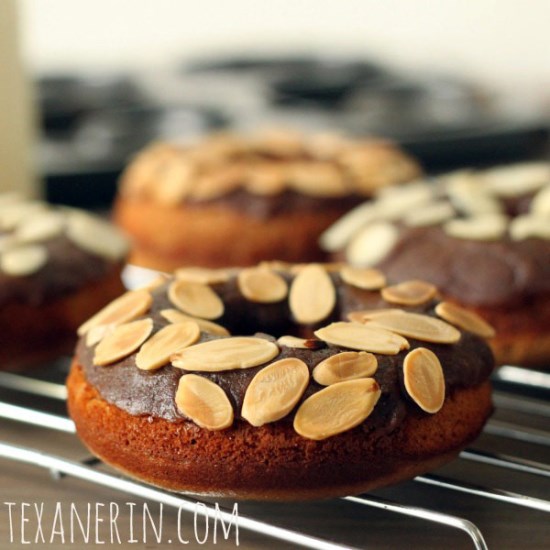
{"x":57,"y":267}
{"x":481,"y":236}
{"x":279,"y":382}
{"x":235,"y":200}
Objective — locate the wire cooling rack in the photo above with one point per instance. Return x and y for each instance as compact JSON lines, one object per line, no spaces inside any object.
{"x":513,"y":451}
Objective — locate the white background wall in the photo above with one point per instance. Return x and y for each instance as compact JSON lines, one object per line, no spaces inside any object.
{"x":504,"y":44}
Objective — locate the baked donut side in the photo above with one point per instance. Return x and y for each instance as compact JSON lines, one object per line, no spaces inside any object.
{"x":239,"y":415}
{"x":248,"y":199}
{"x":483,"y":237}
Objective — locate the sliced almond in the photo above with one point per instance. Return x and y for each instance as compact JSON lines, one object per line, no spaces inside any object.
{"x":424,"y":379}
{"x":96,"y":236}
{"x":540,"y":205}
{"x":274,"y":391}
{"x":433,"y":213}
{"x":196,"y":299}
{"x":409,"y":293}
{"x":468,"y":194}
{"x":218,"y":182}
{"x":204,"y":402}
{"x":175,"y":316}
{"x":156,"y":282}
{"x":415,"y":325}
{"x":489,"y":227}
{"x":97,"y":333}
{"x":365,"y":278}
{"x":464,"y":319}
{"x":372,"y":244}
{"x":42,"y":227}
{"x":235,"y":352}
{"x":518,"y":179}
{"x":174,"y":183}
{"x":23,"y":260}
{"x":317,"y":179}
{"x":266,"y":179}
{"x":203,"y":275}
{"x":123,"y":341}
{"x":293,"y":342}
{"x":14,"y":213}
{"x":156,"y":352}
{"x":347,"y":365}
{"x":361,"y":337}
{"x":337,"y":408}
{"x":397,"y":201}
{"x":530,"y":227}
{"x":262,"y":285}
{"x":312,"y":295}
{"x":127,"y":307}
{"x":364,"y":315}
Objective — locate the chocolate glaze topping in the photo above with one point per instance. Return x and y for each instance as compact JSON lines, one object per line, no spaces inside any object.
{"x":465,"y":364}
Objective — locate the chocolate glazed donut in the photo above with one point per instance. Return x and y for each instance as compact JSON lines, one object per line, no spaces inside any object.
{"x":340,"y":384}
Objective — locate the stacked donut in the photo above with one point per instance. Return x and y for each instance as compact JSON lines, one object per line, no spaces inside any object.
{"x":280,"y":381}
{"x":483,"y":237}
{"x":233,"y":200}
{"x":57,"y":267}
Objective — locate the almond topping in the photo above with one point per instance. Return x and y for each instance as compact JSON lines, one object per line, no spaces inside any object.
{"x":317,"y":179}
{"x":274,"y":391}
{"x":365,"y":278}
{"x":23,"y":260}
{"x":175,"y":316}
{"x":424,"y":380}
{"x":433,"y":213}
{"x":97,"y":333}
{"x":489,"y":227}
{"x":361,"y":337}
{"x":262,"y":285}
{"x":347,"y":365}
{"x":337,"y":408}
{"x":204,"y":402}
{"x":464,"y":319}
{"x":42,"y":227}
{"x":203,"y":275}
{"x":363,"y":315}
{"x":372,"y":244}
{"x":96,"y":236}
{"x":409,"y":293}
{"x":196,"y":299}
{"x":415,"y":325}
{"x":540,"y":205}
{"x":293,"y":342}
{"x":236,"y":352}
{"x":530,"y":227}
{"x":123,"y":341}
{"x":156,"y":352}
{"x":312,"y":295}
{"x":127,"y":307}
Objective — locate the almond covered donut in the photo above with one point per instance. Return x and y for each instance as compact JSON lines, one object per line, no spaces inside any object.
{"x":57,"y":267}
{"x":280,"y":382}
{"x":483,"y":237}
{"x":235,"y":200}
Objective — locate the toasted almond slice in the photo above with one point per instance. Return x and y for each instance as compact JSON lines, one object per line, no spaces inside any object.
{"x":540,"y":205}
{"x":266,"y":179}
{"x":365,"y":278}
{"x":96,"y":236}
{"x":317,"y":179}
{"x":262,"y":285}
{"x":409,"y":293}
{"x":415,"y":325}
{"x":293,"y":342}
{"x":204,"y":402}
{"x":489,"y":227}
{"x":156,"y":352}
{"x":203,"y":275}
{"x":14,"y":213}
{"x":361,"y":337}
{"x":396,"y":201}
{"x":156,"y":282}
{"x":218,"y":182}
{"x":424,"y":379}
{"x":123,"y":341}
{"x":127,"y":307}
{"x":518,"y":179}
{"x":23,"y":260}
{"x":337,"y":408}
{"x":347,"y":365}
{"x":274,"y":391}
{"x":174,"y":183}
{"x":464,"y":319}
{"x":530,"y":227}
{"x":362,"y":316}
{"x":175,"y":316}
{"x":97,"y":333}
{"x":196,"y":299}
{"x":312,"y":295}
{"x":372,"y":244}
{"x":39,"y":228}
{"x":433,"y":213}
{"x":235,"y":352}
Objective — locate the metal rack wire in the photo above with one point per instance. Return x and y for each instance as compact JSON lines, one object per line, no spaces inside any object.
{"x":518,"y":393}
